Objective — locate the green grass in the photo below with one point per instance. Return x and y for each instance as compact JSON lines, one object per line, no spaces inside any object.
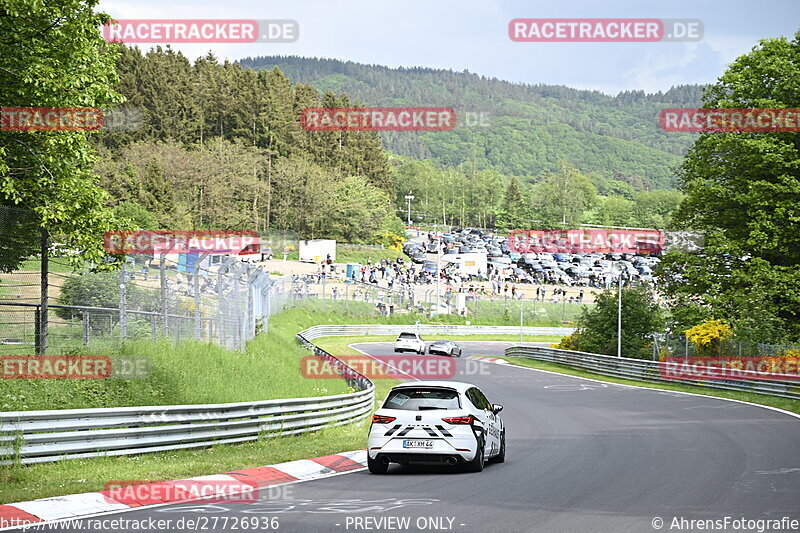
{"x":275,"y":358}
{"x":23,"y":483}
{"x":490,"y":314}
{"x":188,"y":372}
{"x":353,"y":253}
{"x":781,"y":403}
{"x":56,"y":264}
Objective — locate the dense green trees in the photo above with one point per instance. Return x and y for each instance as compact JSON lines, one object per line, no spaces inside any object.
{"x":743,"y":192}
{"x":52,"y":55}
{"x":561,"y":199}
{"x":529,"y":129}
{"x":221,"y":147}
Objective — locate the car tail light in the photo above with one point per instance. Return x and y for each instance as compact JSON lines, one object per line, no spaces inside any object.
{"x":460,"y":420}
{"x":379,"y":419}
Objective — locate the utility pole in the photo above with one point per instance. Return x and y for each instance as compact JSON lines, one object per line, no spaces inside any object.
{"x":619,"y":316}
{"x":438,"y":277}
{"x":409,"y":197}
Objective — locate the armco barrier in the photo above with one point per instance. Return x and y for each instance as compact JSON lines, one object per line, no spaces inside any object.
{"x":427,"y":329}
{"x":645,"y":370}
{"x":44,"y":436}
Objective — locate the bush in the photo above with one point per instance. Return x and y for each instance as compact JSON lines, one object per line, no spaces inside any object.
{"x":709,"y":337}
{"x":101,"y":289}
{"x":597,"y":326}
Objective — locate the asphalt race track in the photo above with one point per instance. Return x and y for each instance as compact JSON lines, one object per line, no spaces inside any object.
{"x":582,"y":456}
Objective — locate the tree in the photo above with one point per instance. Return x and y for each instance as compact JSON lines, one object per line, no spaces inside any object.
{"x":562,"y":198}
{"x":743,"y":192}
{"x":653,"y":209}
{"x":512,"y":214}
{"x":641,"y":317}
{"x":138,"y":216}
{"x":52,"y":55}
{"x":612,"y":211}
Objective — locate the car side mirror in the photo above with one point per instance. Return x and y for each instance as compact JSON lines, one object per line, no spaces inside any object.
{"x":496,"y":408}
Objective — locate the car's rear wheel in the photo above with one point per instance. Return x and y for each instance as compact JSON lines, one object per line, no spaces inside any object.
{"x":375,"y":466}
{"x":476,"y":465}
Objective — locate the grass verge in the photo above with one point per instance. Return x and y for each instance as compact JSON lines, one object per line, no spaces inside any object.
{"x":23,"y":483}
{"x":781,"y":403}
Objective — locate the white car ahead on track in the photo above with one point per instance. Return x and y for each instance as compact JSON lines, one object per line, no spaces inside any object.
{"x":409,"y":342}
{"x":436,"y":422}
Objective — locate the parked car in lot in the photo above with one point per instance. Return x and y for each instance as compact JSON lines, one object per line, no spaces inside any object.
{"x":418,"y":257}
{"x":444,"y":347}
{"x":409,"y":342}
{"x":436,"y":422}
{"x":430,"y":266}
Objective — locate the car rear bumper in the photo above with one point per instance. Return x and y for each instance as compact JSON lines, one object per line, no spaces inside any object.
{"x":464,"y":447}
{"x":423,"y":458}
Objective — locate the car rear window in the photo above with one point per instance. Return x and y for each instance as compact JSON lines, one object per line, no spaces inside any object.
{"x":408,"y":336}
{"x":422,"y":399}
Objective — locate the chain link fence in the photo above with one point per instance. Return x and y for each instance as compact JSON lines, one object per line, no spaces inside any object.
{"x":46,"y":306}
{"x":680,"y":346}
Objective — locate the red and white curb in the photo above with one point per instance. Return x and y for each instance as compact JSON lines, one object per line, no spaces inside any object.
{"x":158,"y":493}
{"x":487,"y":359}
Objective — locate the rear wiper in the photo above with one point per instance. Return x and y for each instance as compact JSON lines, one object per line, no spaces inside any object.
{"x":430,"y":408}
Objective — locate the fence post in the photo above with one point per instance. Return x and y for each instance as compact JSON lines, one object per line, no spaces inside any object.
{"x":123,"y":303}
{"x":197,"y":324}
{"x":162,"y":274}
{"x":85,"y":324}
{"x":37,"y":327}
{"x":153,"y":326}
{"x":41,"y":332}
{"x":236,"y":310}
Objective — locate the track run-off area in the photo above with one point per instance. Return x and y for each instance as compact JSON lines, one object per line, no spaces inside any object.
{"x":582,"y":455}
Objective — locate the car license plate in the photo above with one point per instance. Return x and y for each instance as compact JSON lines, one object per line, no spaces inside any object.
{"x":427,"y":444}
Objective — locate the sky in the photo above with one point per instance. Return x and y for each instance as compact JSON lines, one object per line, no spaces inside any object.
{"x":472,"y":35}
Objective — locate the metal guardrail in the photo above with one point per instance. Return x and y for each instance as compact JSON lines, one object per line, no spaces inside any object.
{"x":429,"y":329}
{"x":45,"y":436}
{"x":645,"y":370}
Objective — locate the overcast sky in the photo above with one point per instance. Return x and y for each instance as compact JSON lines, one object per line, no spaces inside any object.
{"x":472,"y":35}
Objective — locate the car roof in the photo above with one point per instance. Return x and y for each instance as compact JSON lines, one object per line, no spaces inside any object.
{"x":458,"y":385}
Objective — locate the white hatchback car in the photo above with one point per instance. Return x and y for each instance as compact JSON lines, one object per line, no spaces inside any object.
{"x":409,"y":342}
{"x":436,"y":422}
